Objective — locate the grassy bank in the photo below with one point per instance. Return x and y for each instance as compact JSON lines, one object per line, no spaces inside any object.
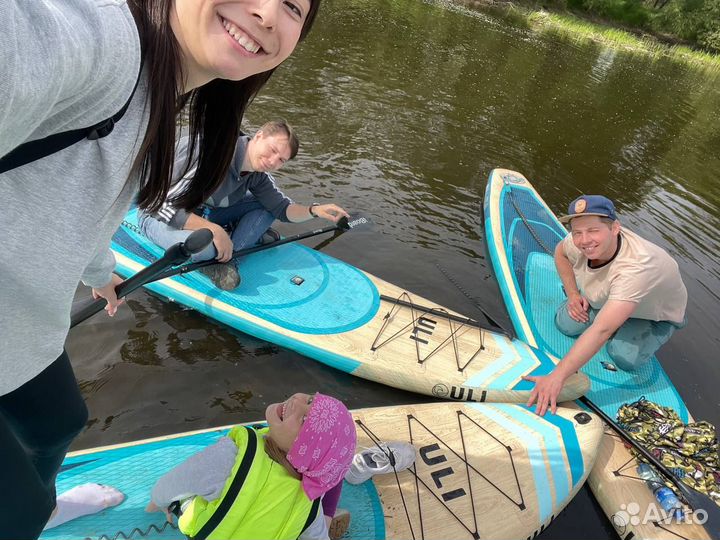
{"x":570,"y":26}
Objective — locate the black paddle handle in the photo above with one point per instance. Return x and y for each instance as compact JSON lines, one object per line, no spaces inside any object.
{"x":91,"y":306}
{"x":174,"y":255}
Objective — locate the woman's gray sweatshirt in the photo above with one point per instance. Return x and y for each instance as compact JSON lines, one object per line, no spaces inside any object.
{"x":64,"y":64}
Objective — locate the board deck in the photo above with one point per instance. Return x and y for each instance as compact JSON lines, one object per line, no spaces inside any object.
{"x":482,"y":471}
{"x":332,"y":312}
{"x":521,"y":235}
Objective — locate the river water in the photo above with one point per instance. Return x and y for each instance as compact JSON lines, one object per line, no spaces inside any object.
{"x":403,"y":107}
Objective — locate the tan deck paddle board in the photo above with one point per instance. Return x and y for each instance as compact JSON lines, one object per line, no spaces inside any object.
{"x":337,"y":314}
{"x":481,"y":470}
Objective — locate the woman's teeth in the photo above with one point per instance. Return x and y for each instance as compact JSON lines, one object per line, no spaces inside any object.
{"x":241,"y":37}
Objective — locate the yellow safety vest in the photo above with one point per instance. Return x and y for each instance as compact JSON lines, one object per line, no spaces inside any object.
{"x":260,"y":499}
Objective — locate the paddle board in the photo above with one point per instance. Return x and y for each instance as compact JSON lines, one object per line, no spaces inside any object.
{"x":521,"y":235}
{"x":332,"y":312}
{"x":482,"y":470}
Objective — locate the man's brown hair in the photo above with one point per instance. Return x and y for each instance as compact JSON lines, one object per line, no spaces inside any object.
{"x":280,"y":126}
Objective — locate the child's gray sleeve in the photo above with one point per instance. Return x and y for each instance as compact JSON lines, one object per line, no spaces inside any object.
{"x":317,"y":530}
{"x":204,"y":474}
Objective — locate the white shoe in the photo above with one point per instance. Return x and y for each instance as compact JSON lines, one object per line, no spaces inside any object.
{"x":385,"y":458}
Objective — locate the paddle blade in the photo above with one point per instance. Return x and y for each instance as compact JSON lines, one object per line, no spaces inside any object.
{"x":354,"y":222}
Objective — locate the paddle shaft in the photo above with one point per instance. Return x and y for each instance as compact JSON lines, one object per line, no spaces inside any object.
{"x":239,"y":253}
{"x":496,"y":326}
{"x":696,"y":499}
{"x":161,"y":268}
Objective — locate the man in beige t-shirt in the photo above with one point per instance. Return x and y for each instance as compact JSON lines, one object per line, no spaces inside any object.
{"x":623,"y":291}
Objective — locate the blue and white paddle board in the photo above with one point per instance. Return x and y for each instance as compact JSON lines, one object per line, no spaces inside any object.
{"x":521,"y":234}
{"x":332,"y":312}
{"x":482,"y":470}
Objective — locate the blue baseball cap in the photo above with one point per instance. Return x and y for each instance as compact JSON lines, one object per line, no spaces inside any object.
{"x":590,"y":205}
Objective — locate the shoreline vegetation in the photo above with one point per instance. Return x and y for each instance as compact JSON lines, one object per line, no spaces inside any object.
{"x":587,"y":26}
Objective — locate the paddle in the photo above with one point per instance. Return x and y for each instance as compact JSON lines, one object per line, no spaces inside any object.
{"x":174,"y":255}
{"x":342,"y":225}
{"x":698,"y":501}
{"x":168,"y":265}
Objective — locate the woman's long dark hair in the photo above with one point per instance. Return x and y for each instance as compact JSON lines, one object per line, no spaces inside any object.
{"x":216,"y":110}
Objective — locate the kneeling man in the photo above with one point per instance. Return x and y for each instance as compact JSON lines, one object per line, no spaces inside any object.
{"x":623,"y":292}
{"x":241,"y":209}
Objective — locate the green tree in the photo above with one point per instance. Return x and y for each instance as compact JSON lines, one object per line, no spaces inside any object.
{"x":682,"y":18}
{"x":631,"y":12}
{"x":709,"y":36}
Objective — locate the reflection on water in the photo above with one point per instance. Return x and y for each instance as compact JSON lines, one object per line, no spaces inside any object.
{"x":403,"y":108}
{"x":233,"y":403}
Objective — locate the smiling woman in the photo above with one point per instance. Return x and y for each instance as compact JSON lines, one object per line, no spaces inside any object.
{"x":235,"y":40}
{"x":212,"y":57}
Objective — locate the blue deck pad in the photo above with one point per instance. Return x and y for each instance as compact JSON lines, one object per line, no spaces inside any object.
{"x":519,"y":242}
{"x":529,"y":236}
{"x":135,"y":469}
{"x":609,"y":389}
{"x":292,"y":286}
{"x":367,"y":518}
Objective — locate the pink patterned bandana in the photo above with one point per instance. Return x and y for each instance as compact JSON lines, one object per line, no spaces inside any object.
{"x":324,"y":447}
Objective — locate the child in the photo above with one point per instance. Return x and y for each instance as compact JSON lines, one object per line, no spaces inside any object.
{"x":265,"y":483}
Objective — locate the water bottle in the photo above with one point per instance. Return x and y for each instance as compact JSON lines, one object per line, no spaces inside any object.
{"x":664,"y":495}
